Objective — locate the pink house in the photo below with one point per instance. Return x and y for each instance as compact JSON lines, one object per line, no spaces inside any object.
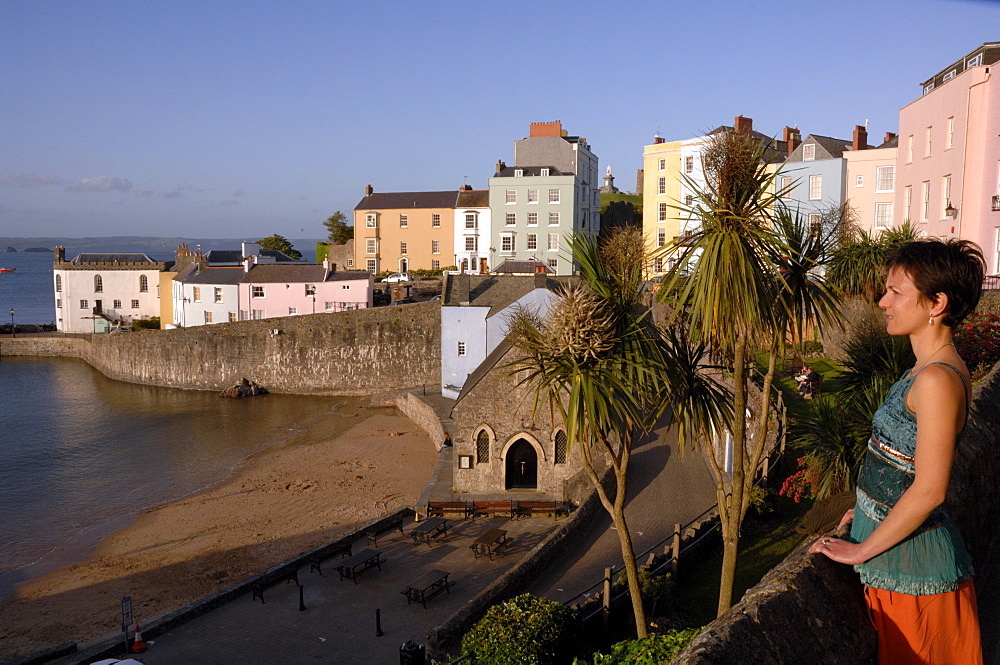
{"x":272,"y":290}
{"x":948,"y":175}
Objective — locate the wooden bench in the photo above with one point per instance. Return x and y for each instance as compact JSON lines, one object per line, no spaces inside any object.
{"x":489,"y":543}
{"x":316,"y":563}
{"x":266,"y":583}
{"x":442,"y":508}
{"x":430,"y":528}
{"x":529,"y":508}
{"x":426,"y":586}
{"x":484,"y":508}
{"x":353,"y":566}
{"x":394,"y":525}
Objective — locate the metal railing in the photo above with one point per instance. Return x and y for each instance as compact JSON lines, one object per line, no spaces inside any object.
{"x":996,"y":202}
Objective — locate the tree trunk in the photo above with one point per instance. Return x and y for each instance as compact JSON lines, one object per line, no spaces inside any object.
{"x":732,"y":517}
{"x":631,"y":570}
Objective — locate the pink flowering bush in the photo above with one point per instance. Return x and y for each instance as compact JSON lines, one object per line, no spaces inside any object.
{"x":978,"y":342}
{"x":797,"y":485}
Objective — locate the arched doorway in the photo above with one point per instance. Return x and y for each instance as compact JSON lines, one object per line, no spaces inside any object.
{"x":521,"y":466}
{"x":465,"y":265}
{"x":403,"y":265}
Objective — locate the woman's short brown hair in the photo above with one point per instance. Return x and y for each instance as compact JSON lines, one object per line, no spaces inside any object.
{"x":954,"y":267}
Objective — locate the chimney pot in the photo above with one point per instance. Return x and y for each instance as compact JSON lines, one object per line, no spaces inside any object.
{"x":743,"y":125}
{"x":888,"y":137}
{"x":368,"y":190}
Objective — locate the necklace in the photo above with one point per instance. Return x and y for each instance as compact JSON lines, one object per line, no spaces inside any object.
{"x":933,"y":353}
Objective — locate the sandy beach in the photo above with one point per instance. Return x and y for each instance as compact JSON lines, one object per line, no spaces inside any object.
{"x":316,"y":486}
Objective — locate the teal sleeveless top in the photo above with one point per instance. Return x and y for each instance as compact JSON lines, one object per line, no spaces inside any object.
{"x":932,"y":559}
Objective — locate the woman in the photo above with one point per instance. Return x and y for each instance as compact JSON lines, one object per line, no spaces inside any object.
{"x":911,"y":558}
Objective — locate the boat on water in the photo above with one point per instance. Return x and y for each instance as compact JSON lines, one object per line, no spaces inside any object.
{"x":3,"y":269}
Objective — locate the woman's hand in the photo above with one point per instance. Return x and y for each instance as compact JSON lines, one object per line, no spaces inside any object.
{"x":839,"y":550}
{"x":846,"y":519}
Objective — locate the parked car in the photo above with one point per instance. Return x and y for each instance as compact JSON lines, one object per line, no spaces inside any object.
{"x":406,"y":301}
{"x":398,"y":277}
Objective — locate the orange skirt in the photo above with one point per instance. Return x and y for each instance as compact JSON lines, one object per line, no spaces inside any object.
{"x":940,"y":629}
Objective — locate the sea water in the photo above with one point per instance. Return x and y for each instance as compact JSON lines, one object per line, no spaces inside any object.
{"x":28,"y":290}
{"x":81,"y":454}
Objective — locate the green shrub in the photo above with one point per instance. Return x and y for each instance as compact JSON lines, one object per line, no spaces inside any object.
{"x":657,"y":590}
{"x":152,"y":323}
{"x":811,"y":347}
{"x":525,"y":630}
{"x":651,"y":650}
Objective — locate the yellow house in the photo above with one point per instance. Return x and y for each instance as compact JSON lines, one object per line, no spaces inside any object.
{"x":661,"y":194}
{"x":400,"y":231}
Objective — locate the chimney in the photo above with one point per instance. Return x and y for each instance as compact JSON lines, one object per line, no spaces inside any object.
{"x":888,"y":137}
{"x":59,"y":254}
{"x":743,"y":125}
{"x":546,"y":129}
{"x":466,"y":188}
{"x":658,"y":140}
{"x":860,"y":138}
{"x":368,"y":190}
{"x":326,"y":267}
{"x":793,"y":139}
{"x":500,"y":166}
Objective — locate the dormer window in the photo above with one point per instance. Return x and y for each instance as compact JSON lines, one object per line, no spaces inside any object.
{"x":518,"y":173}
{"x":975,"y":61}
{"x":544,"y":172}
{"x":808,"y":152}
{"x":928,"y":87}
{"x":950,"y":75}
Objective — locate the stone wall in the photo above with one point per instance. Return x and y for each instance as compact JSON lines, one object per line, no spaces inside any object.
{"x":810,"y":610}
{"x":346,"y":353}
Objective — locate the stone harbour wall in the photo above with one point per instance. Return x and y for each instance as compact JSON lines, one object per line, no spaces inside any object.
{"x":346,"y":353}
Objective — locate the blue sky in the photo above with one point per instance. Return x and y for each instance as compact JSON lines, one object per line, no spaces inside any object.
{"x":242,"y":119}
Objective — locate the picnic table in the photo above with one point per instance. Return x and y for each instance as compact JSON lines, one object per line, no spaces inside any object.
{"x":489,"y":542}
{"x":428,"y":529}
{"x":353,"y":566}
{"x":426,"y":586}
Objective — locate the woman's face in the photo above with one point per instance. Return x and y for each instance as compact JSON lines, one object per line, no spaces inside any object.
{"x":906,"y":310}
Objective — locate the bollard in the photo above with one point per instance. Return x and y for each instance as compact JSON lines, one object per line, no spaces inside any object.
{"x":302,"y":605}
{"x":378,"y":623}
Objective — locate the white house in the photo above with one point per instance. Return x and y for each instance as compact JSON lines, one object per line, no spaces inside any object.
{"x":472,"y":232}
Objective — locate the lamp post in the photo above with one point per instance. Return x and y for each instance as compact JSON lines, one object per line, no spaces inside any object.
{"x":13,"y":332}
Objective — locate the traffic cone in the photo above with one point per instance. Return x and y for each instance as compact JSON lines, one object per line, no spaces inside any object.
{"x":138,"y":646}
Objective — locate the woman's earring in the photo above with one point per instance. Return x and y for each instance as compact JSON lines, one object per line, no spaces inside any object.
{"x":930,"y":321}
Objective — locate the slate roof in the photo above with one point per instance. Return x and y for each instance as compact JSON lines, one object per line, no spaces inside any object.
{"x":210,"y":275}
{"x":891,"y":143}
{"x":113,"y":258}
{"x":484,"y":368}
{"x":476,"y":198}
{"x":498,"y":291}
{"x":403,"y":200}
{"x":521,"y":266}
{"x":508,"y":171}
{"x":218,"y":256}
{"x":269,"y":273}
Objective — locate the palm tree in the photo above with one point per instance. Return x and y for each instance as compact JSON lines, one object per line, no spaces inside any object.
{"x":593,"y":361}
{"x":856,"y":266}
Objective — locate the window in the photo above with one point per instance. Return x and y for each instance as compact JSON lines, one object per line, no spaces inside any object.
{"x":532,"y":242}
{"x":328,"y":306}
{"x":661,"y":237}
{"x":927,"y":143}
{"x":689,"y":200}
{"x":883,"y":215}
{"x":553,"y":242}
{"x":402,"y":248}
{"x":256,"y":291}
{"x":232,"y":317}
{"x":436,"y":246}
{"x":786,"y":187}
{"x":553,"y":196}
{"x":371,"y":245}
{"x":59,"y":304}
{"x":58,"y":283}
{"x":436,"y":220}
{"x":885,"y":178}
{"x":350,"y":262}
{"x":532,"y":196}
{"x":662,"y":164}
{"x":84,"y":304}
{"x":859,"y":181}
{"x":945,"y":194}
{"x":975,"y":62}
{"x":518,"y":173}
{"x":482,"y":447}
{"x":135,"y":304}
{"x":511,"y":196}
{"x":404,"y":221}
{"x":815,"y":222}
{"x":950,"y":75}
{"x":808,"y":152}
{"x":461,"y":348}
{"x":196,"y":294}
{"x":507,"y":243}
{"x":511,"y":219}
{"x":471,"y":244}
{"x":925,"y":200}
{"x":218,"y":293}
{"x":909,"y":148}
{"x":98,"y":284}
{"x":908,"y":200}
{"x":371,"y":265}
{"x":561,"y":447}
{"x":258,"y":314}
{"x":658,"y":265}
{"x":689,"y":164}
{"x":471,"y":220}
{"x":435,"y":264}
{"x":815,"y":187}
{"x":661,"y":185}
{"x":292,"y":311}
{"x":661,"y":212}
{"x":996,"y":252}
{"x":371,"y":220}
{"x":208,"y":317}
{"x":543,"y":172}
{"x":345,"y":287}
{"x":554,"y":264}
{"x":949,"y":141}
{"x":143,"y":284}
{"x":117,"y":304}
{"x":928,"y":87}
{"x":553,"y":219}
{"x":532,"y":219}
{"x":310,"y":291}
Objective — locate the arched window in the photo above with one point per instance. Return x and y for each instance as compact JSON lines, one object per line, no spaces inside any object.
{"x":98,"y":284}
{"x":143,"y":284}
{"x":482,"y":447}
{"x":560,"y":456}
{"x":58,"y":283}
